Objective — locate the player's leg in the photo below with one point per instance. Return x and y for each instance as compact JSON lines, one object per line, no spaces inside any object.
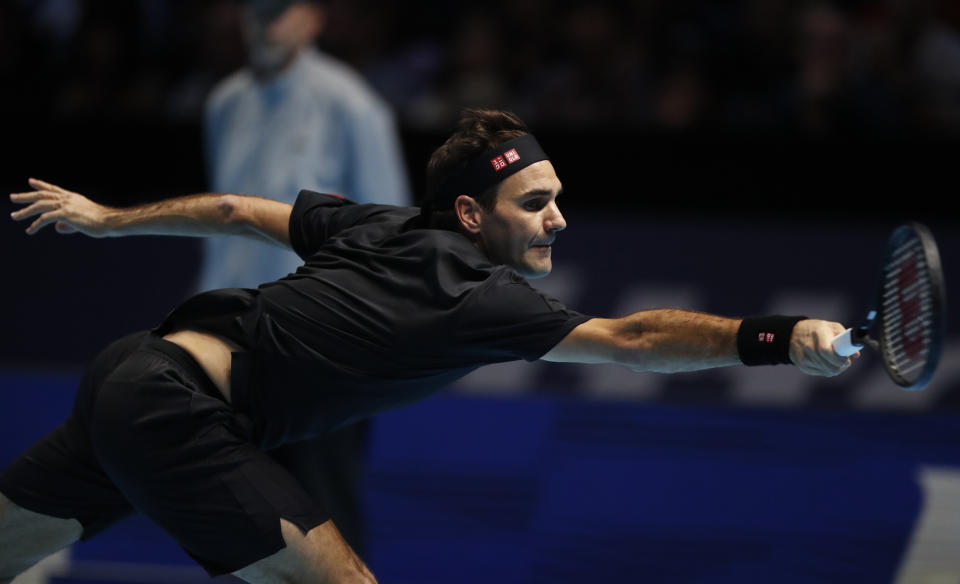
{"x":27,"y":537}
{"x":320,"y":555}
{"x":56,"y":492}
{"x":51,"y":496}
{"x":187,"y":460}
{"x":330,"y":469}
{"x":230,"y":506}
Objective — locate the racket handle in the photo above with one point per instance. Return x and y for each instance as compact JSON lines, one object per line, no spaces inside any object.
{"x":843,"y":344}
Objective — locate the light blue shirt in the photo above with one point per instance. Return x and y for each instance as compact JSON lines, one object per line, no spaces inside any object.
{"x":317,"y":126}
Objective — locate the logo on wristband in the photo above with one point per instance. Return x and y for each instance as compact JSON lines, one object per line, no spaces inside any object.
{"x":765,"y":337}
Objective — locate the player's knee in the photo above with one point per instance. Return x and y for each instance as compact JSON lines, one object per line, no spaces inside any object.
{"x":361,"y":574}
{"x":26,"y":537}
{"x":321,"y":555}
{"x":6,"y":508}
{"x":262,"y":573}
{"x":5,"y":504}
{"x":352,"y":578}
{"x":358,"y":577}
{"x":6,"y":569}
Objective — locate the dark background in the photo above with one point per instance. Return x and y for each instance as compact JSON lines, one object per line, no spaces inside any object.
{"x":836,"y":113}
{"x":738,"y":150}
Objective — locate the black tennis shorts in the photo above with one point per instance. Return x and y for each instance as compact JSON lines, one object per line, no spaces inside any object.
{"x":150,"y":433}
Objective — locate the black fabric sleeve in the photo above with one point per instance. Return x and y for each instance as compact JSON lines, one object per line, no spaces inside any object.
{"x":509,"y":319}
{"x":318,"y":216}
{"x":312,"y":220}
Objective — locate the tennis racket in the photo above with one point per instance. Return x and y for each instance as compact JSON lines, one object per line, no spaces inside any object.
{"x":905,"y":324}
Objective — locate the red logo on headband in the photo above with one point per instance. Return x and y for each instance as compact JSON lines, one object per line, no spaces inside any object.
{"x":508,"y":157}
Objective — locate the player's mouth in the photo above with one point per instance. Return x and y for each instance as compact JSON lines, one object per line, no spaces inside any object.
{"x":542,"y":244}
{"x":542,"y":250}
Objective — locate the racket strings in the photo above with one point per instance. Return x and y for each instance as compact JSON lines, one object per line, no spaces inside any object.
{"x":908,"y":308}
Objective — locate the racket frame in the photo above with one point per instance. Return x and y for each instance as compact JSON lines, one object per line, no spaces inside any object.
{"x":874,"y":321}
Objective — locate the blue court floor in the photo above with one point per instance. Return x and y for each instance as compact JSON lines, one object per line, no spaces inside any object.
{"x":535,"y":490}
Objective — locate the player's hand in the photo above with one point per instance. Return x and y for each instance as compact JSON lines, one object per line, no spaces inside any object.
{"x":811,"y":348}
{"x":69,"y":212}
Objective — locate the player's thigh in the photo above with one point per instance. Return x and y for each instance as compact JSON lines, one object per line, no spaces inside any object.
{"x":27,"y":537}
{"x":320,"y":555}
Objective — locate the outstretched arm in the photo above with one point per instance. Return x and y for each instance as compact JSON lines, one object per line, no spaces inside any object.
{"x":193,"y":215}
{"x":669,"y":341}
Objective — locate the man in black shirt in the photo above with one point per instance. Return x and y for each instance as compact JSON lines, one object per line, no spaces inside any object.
{"x":390,"y":305}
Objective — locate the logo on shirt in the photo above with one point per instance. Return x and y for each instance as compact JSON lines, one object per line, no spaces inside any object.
{"x":508,"y":157}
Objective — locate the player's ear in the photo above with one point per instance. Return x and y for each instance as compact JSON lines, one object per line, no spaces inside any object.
{"x":468,"y":213}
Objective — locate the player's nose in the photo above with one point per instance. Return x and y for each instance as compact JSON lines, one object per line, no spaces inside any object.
{"x":554,"y":220}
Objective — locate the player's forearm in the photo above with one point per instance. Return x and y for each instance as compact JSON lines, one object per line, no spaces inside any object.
{"x":194,"y":215}
{"x":669,"y":341}
{"x":665,"y":340}
{"x":206,"y":214}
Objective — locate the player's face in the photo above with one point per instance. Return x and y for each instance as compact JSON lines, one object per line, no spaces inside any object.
{"x":520,"y":229}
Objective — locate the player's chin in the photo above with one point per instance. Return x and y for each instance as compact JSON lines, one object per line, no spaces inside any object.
{"x":537,"y":268}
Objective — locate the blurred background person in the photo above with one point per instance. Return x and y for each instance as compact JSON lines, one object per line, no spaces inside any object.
{"x":295,"y":118}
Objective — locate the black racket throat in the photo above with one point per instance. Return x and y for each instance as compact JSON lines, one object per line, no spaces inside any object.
{"x":861,"y":336}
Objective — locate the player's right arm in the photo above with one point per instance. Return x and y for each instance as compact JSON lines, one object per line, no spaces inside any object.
{"x":669,"y":341}
{"x":193,"y":215}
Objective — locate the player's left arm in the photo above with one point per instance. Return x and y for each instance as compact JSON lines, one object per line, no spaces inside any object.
{"x":669,"y":341}
{"x":192,"y":215}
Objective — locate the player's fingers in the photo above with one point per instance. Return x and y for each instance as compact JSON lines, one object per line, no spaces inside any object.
{"x":825,"y":351}
{"x":44,"y":185}
{"x":831,"y":358}
{"x":834,"y":366}
{"x":820,"y":359}
{"x":34,"y":209}
{"x":29,"y":197}
{"x":823,"y":369}
{"x":43,"y":220}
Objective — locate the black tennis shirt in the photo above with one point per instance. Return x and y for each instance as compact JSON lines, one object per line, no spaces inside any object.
{"x":383,"y":313}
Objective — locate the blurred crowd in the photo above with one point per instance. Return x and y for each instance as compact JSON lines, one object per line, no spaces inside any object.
{"x":754,"y":65}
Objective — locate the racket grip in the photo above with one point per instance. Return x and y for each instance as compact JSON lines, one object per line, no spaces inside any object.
{"x":843,"y":344}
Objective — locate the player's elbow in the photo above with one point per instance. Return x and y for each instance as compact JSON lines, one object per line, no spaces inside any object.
{"x":231,"y":210}
{"x":237,"y":213}
{"x":256,"y":217}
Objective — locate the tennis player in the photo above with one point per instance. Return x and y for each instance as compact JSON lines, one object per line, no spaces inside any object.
{"x":390,"y":305}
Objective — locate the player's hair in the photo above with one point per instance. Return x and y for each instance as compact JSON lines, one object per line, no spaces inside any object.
{"x":477,"y":131}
